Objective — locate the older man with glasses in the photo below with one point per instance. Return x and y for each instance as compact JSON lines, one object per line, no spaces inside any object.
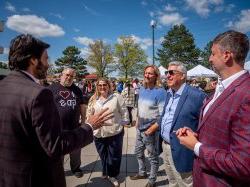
{"x":182,"y":108}
{"x":71,"y":106}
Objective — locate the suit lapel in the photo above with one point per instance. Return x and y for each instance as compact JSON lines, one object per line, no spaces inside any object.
{"x":227,"y":92}
{"x":180,"y":104}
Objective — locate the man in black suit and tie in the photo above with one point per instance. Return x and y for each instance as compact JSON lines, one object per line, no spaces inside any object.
{"x":31,"y":140}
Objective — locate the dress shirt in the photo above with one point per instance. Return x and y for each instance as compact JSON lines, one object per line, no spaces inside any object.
{"x":219,"y":88}
{"x":167,"y":119}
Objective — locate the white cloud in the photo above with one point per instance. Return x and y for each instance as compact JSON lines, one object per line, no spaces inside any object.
{"x":151,"y":14}
{"x":25,"y":9}
{"x":171,"y":19}
{"x":91,"y":11}
{"x":242,"y":23}
{"x":150,"y":60}
{"x":85,"y":52}
{"x":144,"y":3}
{"x":84,"y":40}
{"x":203,"y":7}
{"x":169,"y":8}
{"x":34,"y":25}
{"x":143,"y":42}
{"x":57,"y":15}
{"x":159,"y":41}
{"x":76,"y":30}
{"x":10,"y":7}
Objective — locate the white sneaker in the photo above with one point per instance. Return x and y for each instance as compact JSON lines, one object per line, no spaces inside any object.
{"x":114,"y":181}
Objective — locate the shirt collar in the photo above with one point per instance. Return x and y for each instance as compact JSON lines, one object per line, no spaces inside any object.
{"x":31,"y":76}
{"x":225,"y":83}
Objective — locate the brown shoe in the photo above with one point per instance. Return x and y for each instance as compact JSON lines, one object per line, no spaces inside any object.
{"x":137,"y":176}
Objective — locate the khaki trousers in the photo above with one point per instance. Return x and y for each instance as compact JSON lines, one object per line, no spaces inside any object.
{"x":175,"y":178}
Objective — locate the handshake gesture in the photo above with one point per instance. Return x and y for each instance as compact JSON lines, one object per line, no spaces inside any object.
{"x":187,"y":137}
{"x":97,"y":120}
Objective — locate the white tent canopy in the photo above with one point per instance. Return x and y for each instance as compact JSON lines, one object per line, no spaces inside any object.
{"x":162,"y":71}
{"x":201,"y":71}
{"x":247,"y":65}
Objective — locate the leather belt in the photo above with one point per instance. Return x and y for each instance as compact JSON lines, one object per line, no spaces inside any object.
{"x":166,"y":142}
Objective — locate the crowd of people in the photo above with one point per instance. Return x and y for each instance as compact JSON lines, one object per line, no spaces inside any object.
{"x":203,"y":131}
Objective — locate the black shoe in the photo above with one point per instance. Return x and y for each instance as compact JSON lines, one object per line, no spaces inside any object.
{"x":78,"y":173}
{"x":137,"y":176}
{"x":150,"y":185}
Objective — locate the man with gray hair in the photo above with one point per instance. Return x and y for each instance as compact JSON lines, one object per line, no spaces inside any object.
{"x":71,"y":105}
{"x":182,"y":108}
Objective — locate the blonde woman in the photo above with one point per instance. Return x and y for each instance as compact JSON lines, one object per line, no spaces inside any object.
{"x":109,"y":138}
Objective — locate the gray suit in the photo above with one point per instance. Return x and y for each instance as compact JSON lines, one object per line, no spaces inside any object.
{"x":31,"y":140}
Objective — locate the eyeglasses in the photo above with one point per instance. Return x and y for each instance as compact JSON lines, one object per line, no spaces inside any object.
{"x":172,"y":72}
{"x":102,"y":85}
{"x":69,"y":75}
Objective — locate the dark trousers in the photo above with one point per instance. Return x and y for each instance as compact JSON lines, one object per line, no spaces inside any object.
{"x":130,"y":114}
{"x":75,"y":160}
{"x":110,"y":152}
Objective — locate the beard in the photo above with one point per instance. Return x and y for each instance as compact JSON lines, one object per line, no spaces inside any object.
{"x":41,"y":70}
{"x":67,"y":83}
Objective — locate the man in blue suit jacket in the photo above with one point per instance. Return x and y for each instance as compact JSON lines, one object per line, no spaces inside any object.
{"x":182,"y":108}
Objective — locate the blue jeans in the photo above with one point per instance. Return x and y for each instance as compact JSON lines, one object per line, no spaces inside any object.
{"x":110,"y":152}
{"x":150,"y":143}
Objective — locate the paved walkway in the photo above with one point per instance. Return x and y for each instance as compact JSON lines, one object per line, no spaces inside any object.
{"x":91,"y":167}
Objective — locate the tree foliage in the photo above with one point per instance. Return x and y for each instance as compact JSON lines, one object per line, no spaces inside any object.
{"x":131,"y":59}
{"x":100,"y":57}
{"x":3,"y":65}
{"x":179,"y":45}
{"x":205,"y":54}
{"x":71,"y":58}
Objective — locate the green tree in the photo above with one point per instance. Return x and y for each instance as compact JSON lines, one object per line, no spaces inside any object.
{"x":71,"y":58}
{"x":3,"y":65}
{"x":100,"y":57}
{"x":179,"y":45}
{"x":131,"y":59}
{"x":205,"y":54}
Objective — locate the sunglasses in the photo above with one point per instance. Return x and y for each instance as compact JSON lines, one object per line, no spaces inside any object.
{"x":102,"y":85}
{"x":172,"y":72}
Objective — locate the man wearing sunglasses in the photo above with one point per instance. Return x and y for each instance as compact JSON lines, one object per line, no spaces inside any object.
{"x":182,"y":108}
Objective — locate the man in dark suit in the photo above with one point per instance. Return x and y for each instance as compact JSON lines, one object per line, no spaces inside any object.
{"x":182,"y":108}
{"x":31,"y":140}
{"x":221,"y":143}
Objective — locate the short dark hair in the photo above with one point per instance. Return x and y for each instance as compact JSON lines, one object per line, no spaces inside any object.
{"x":236,"y":42}
{"x":22,"y":48}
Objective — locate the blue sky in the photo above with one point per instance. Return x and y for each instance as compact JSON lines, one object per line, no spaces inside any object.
{"x":79,"y":22}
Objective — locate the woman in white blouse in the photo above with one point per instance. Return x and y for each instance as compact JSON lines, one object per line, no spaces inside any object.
{"x":109,"y":138}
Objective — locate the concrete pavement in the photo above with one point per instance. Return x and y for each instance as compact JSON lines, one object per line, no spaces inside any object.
{"x":91,"y":166}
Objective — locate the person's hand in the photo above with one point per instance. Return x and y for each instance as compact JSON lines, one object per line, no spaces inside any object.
{"x":151,"y":129}
{"x":187,"y":137}
{"x":97,"y":120}
{"x":183,"y":132}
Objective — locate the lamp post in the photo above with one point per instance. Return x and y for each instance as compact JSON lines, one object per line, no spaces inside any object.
{"x":1,"y":30}
{"x":153,"y":25}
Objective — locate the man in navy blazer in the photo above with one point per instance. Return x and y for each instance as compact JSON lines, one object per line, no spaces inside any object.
{"x":31,"y":140}
{"x":182,"y":108}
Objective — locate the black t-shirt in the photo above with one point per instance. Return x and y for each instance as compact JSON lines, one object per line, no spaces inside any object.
{"x":68,"y":101}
